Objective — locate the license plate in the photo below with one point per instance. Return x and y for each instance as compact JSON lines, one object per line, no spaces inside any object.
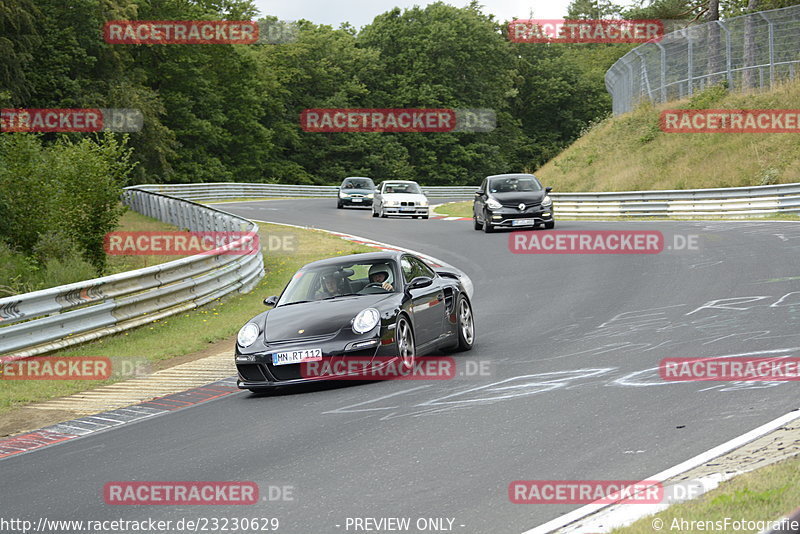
{"x":297,"y":356}
{"x":356,"y":200}
{"x":523,"y":222}
{"x":408,"y":209}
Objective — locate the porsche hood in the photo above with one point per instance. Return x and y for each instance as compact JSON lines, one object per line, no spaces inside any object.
{"x":317,"y":318}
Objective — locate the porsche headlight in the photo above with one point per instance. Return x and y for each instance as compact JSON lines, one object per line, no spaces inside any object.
{"x":366,"y":320}
{"x":248,"y":335}
{"x":547,"y":201}
{"x":492,"y":204}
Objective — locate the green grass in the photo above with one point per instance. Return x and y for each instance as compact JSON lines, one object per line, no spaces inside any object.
{"x":455,"y":209}
{"x":193,"y":331}
{"x":762,"y":495}
{"x":631,"y":153}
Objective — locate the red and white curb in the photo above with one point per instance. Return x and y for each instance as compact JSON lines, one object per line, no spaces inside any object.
{"x":83,"y":426}
{"x":444,"y":218}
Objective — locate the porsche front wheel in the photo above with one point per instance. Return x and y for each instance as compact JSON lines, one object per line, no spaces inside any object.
{"x":406,"y":349}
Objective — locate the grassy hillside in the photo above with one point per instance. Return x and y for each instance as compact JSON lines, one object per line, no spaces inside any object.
{"x":630,"y":152}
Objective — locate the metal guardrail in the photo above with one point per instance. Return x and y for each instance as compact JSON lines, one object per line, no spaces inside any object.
{"x":751,"y":51}
{"x":51,"y":319}
{"x":690,"y":203}
{"x":227,"y":190}
{"x":697,"y":203}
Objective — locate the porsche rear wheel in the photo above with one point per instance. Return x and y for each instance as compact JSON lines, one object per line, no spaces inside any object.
{"x":406,"y":350}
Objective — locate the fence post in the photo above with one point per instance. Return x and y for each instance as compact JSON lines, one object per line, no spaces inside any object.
{"x":630,"y":87}
{"x":689,"y":62}
{"x":771,"y":33}
{"x":728,"y":54}
{"x":645,"y":85}
{"x":663,"y":73}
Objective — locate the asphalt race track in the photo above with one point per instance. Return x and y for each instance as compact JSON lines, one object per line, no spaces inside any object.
{"x":573,"y":344}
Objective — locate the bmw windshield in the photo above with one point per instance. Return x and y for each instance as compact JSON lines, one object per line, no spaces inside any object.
{"x":400,"y":187}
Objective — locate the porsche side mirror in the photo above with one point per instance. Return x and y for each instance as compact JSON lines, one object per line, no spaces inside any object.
{"x":419,"y":282}
{"x":271,"y":301}
{"x":478,"y":193}
{"x":548,"y":189}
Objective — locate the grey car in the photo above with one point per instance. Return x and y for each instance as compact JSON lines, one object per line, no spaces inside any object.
{"x":356,"y":191}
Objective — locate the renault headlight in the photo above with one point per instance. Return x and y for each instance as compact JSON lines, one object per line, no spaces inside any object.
{"x":371,"y":195}
{"x":342,"y":194}
{"x":547,"y":201}
{"x":492,"y":204}
{"x":248,"y":335}
{"x":366,"y":320}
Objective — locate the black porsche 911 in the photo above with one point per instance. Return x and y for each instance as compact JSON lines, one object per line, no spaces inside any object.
{"x":377,"y":306}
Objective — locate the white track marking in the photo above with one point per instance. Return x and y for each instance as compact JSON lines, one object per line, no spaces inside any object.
{"x":691,"y":463}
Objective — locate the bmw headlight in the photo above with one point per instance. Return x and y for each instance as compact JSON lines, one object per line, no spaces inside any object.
{"x":423,"y":202}
{"x":547,"y":201}
{"x":492,"y":204}
{"x":366,"y":320}
{"x":392,"y":203}
{"x":248,"y":335}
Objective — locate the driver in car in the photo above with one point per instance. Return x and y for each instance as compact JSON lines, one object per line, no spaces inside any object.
{"x":329,"y":287}
{"x":380,"y":274}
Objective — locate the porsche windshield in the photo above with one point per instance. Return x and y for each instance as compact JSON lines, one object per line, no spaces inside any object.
{"x":514,"y":185}
{"x":399,"y":187}
{"x":340,"y":280}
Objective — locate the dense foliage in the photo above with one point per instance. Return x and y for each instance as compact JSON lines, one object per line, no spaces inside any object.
{"x":57,"y":202}
{"x":231,"y":112}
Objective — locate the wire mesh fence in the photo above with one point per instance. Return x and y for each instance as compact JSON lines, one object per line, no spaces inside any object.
{"x":753,"y":51}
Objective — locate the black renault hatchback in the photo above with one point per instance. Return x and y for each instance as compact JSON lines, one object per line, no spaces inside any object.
{"x":512,"y":201}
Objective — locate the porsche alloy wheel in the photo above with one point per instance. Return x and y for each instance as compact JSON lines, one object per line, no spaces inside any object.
{"x":405,"y":343}
{"x":466,"y":325}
